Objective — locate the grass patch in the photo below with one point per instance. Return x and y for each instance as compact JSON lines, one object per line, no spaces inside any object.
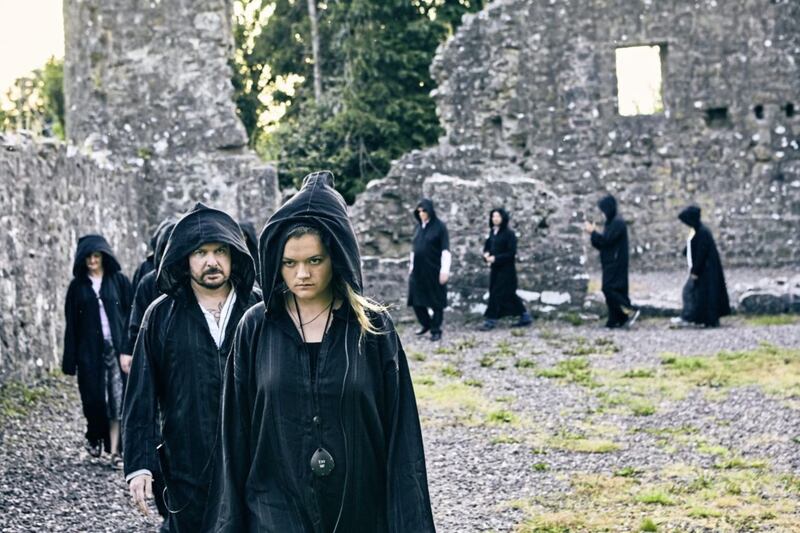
{"x":470,"y":382}
{"x":628,"y":471}
{"x":501,"y":416}
{"x":17,"y":399}
{"x":487,"y":361}
{"x":524,"y":363}
{"x":643,"y":409}
{"x":585,"y":445}
{"x":639,"y":373}
{"x":417,"y":356}
{"x":505,"y":439}
{"x":451,"y":371}
{"x":655,"y":498}
{"x":772,"y":320}
{"x":540,"y":467}
{"x":575,"y":370}
{"x":648,"y":525}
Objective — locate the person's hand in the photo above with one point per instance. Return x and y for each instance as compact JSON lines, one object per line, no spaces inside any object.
{"x":490,"y":259}
{"x":141,"y":488}
{"x":693,"y":276}
{"x":589,"y":227}
{"x":443,"y":277}
{"x":125,"y":361}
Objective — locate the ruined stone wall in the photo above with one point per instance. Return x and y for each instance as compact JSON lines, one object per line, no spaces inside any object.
{"x":148,"y":86}
{"x":51,"y":195}
{"x":527,"y":90}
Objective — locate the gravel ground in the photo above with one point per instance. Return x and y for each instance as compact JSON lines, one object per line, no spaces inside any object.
{"x":476,"y":470}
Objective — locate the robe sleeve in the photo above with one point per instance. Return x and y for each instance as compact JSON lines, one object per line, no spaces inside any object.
{"x":408,"y":505}
{"x":486,"y":243}
{"x":700,"y":249}
{"x":69,"y":359}
{"x":611,"y":234}
{"x":507,"y":256}
{"x":140,"y":408}
{"x":138,"y":308}
{"x":126,"y":303}
{"x":228,"y":500}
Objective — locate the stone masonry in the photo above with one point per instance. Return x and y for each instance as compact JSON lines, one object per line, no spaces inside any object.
{"x":527,"y":94}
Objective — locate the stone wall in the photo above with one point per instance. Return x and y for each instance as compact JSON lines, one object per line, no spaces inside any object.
{"x":50,"y":195}
{"x":527,"y":94}
{"x":148,"y":86}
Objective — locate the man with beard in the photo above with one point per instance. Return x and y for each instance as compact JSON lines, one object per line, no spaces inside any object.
{"x":206,"y":277}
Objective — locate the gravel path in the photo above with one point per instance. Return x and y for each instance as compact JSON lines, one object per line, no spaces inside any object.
{"x":478,"y":471}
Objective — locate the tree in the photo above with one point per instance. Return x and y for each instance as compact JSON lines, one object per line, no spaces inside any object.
{"x":37,"y":102}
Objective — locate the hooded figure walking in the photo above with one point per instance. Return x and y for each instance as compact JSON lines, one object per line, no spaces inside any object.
{"x":97,"y":307}
{"x":705,"y":295}
{"x":613,"y":246}
{"x":320,"y":431}
{"x":499,"y":252}
{"x":429,"y":270}
{"x":205,"y":276}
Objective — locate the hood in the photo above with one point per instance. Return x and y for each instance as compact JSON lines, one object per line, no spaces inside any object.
{"x":199,"y":226}
{"x":608,"y":205}
{"x":318,"y":205}
{"x":427,"y":205}
{"x":164,"y":231}
{"x":249,"y":231}
{"x":690,"y":216}
{"x":503,"y":214}
{"x":89,"y":244}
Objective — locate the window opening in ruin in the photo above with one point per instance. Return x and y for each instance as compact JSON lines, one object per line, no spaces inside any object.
{"x":640,"y":80}
{"x":717,"y":117}
{"x":789,"y":109}
{"x":759,"y":111}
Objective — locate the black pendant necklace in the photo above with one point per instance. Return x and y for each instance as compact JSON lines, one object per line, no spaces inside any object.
{"x":322,"y":462}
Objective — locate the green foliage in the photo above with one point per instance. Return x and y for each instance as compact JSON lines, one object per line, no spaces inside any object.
{"x":36,"y":102}
{"x":374,"y":64}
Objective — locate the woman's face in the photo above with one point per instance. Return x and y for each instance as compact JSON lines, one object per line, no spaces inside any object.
{"x":497,"y":219}
{"x":306,"y":268}
{"x":94,"y":262}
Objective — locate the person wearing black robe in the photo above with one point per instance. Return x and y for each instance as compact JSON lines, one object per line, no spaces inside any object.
{"x":429,"y":270}
{"x":250,"y":237}
{"x":705,"y":295}
{"x":96,"y":313}
{"x":205,"y":276}
{"x":320,"y":431}
{"x":499,"y":252}
{"x":613,"y":246}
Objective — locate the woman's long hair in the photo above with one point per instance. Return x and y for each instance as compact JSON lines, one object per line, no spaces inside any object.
{"x":343,"y":290}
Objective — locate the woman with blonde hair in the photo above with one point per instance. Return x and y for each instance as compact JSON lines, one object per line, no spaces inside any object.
{"x":320,"y":431}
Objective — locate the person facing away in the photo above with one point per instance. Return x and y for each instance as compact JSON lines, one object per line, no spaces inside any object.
{"x":499,"y":252}
{"x":205,"y":276}
{"x":320,"y":431}
{"x":705,"y":295}
{"x":97,"y":306}
{"x":613,"y":246}
{"x":429,"y":270}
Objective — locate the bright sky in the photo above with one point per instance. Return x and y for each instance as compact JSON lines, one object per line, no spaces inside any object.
{"x":639,"y":80}
{"x":30,"y":32}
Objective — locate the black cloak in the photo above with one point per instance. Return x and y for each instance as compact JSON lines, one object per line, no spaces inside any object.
{"x":503,"y":299}
{"x":424,"y":289}
{"x":251,"y":239}
{"x":710,"y":291}
{"x":613,"y":246}
{"x":83,"y":336}
{"x":360,"y":407}
{"x":146,"y":291}
{"x":177,"y":370}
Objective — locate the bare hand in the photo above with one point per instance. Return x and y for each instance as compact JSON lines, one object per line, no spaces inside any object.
{"x":141,"y":488}
{"x":125,"y":361}
{"x":490,"y":259}
{"x":443,"y":278}
{"x":589,"y":227}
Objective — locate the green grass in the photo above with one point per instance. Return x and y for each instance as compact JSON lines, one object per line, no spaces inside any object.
{"x":772,"y":320}
{"x":17,"y":399}
{"x":541,"y":467}
{"x":655,"y":498}
{"x":451,"y":371}
{"x":643,"y":409}
{"x":648,"y":525}
{"x":524,"y":363}
{"x":576,"y":370}
{"x":501,"y":416}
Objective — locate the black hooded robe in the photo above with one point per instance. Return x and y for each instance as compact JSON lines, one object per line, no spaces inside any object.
{"x":708,"y":293}
{"x":503,"y":299}
{"x":424,"y":289}
{"x":613,"y":247}
{"x":83,"y":336}
{"x":150,"y":264}
{"x":177,"y":371}
{"x":360,"y":408}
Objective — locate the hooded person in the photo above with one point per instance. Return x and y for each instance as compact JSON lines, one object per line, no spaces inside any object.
{"x":705,"y":295}
{"x":499,"y":252}
{"x":206,"y":277}
{"x":613,"y":246}
{"x":320,"y":431}
{"x":97,"y":306}
{"x":249,"y":231}
{"x":149,"y":264}
{"x":429,"y":269}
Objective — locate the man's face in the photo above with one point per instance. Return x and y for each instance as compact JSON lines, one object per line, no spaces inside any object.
{"x":210,"y":265}
{"x":94,"y":262}
{"x":423,"y":215}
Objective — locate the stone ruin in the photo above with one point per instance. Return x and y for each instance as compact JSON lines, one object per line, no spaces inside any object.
{"x":151,"y":127}
{"x":527,"y":94}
